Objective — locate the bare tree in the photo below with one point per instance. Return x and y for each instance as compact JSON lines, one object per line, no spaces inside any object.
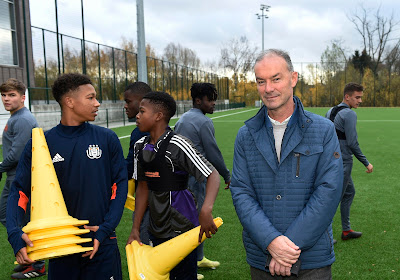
{"x":376,"y":30}
{"x":334,"y":57}
{"x":238,"y":56}
{"x":171,"y":53}
{"x":392,"y":58}
{"x":333,"y":62}
{"x":211,"y":66}
{"x":181,"y":55}
{"x":336,"y":52}
{"x":393,"y":65}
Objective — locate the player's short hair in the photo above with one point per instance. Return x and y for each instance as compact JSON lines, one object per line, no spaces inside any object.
{"x":163,"y":102}
{"x":13,"y":84}
{"x":198,"y":90}
{"x":350,"y":88}
{"x":67,"y":83}
{"x":276,"y":52}
{"x":139,"y":88}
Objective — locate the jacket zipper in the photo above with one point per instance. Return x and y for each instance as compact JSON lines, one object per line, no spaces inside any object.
{"x":297,"y":155}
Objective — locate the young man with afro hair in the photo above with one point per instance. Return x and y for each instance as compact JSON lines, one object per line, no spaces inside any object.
{"x":195,"y":125}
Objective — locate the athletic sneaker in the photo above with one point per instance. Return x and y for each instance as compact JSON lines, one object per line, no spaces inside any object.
{"x":20,"y":267}
{"x":200,"y":276}
{"x":207,"y":263}
{"x":29,"y":272}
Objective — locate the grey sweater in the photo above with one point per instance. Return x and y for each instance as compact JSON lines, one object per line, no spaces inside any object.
{"x":15,"y":136}
{"x":346,"y":121}
{"x":200,"y":130}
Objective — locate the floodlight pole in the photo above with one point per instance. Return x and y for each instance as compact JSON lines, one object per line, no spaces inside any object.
{"x":141,"y":57}
{"x":262,"y":16}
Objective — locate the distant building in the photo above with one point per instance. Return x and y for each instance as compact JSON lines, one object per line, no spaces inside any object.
{"x":15,"y":41}
{"x":15,"y":46}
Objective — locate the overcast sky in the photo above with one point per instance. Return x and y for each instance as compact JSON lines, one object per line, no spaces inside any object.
{"x":304,"y":28}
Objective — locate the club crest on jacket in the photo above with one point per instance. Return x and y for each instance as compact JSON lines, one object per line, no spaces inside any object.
{"x":93,"y":152}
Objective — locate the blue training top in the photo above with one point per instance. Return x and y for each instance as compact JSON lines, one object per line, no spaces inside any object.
{"x":88,"y":161}
{"x":135,"y":135}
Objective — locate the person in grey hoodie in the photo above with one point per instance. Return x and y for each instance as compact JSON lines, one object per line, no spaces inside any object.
{"x":16,"y":134}
{"x":345,"y":121}
{"x":195,"y":125}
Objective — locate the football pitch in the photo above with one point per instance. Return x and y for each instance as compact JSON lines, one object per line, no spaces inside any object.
{"x":375,"y":210}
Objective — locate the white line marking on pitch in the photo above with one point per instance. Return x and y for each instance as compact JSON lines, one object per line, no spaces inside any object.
{"x":378,"y":120}
{"x":227,"y":115}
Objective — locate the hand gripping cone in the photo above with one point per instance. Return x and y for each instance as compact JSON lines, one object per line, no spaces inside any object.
{"x":50,"y":221}
{"x":148,"y":263}
{"x":130,"y":199}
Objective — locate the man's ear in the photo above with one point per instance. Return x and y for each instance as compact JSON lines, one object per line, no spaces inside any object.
{"x":160,"y":116}
{"x":69,"y":102}
{"x":295,"y":78}
{"x":197,"y":101}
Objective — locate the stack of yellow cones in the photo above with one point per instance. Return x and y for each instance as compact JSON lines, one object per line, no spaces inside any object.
{"x":148,"y":263}
{"x":51,"y":230}
{"x":130,"y":199}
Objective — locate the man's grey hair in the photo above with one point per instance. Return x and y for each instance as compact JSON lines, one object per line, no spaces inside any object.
{"x":279,"y":53}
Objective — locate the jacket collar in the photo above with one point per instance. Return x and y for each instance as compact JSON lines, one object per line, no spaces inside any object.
{"x":72,"y":131}
{"x":260,"y":128}
{"x":261,"y":119}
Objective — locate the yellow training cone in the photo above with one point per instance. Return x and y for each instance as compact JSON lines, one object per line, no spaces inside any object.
{"x":52,"y":231}
{"x":56,"y":241}
{"x":148,"y":263}
{"x":58,"y":251}
{"x":130,"y":200}
{"x":57,"y":231}
{"x":47,"y":202}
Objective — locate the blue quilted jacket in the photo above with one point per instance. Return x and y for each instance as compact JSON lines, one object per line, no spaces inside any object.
{"x":297,"y":197}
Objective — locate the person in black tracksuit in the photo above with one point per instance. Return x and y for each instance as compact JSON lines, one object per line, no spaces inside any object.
{"x":164,"y":160}
{"x":91,"y":170}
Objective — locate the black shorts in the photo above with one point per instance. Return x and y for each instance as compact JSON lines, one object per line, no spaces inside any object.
{"x":106,"y":265}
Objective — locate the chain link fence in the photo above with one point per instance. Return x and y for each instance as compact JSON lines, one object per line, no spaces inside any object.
{"x":111,"y":69}
{"x":322,"y":84}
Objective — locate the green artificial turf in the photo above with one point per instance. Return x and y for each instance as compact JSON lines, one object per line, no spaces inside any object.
{"x":375,"y":210}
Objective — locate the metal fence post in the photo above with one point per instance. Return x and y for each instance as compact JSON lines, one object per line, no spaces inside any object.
{"x":107,"y":116}
{"x":62,"y":53}
{"x":58,"y":43}
{"x":176,"y":80}
{"x":45,"y":68}
{"x":123,"y":116}
{"x":126,"y":69}
{"x":163,"y":75}
{"x":114,"y":85}
{"x":170,"y":78}
{"x":100,"y":89}
{"x":83,"y":41}
{"x":183,"y":69}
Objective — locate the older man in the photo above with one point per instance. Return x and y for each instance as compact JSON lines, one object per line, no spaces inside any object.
{"x":286,"y":179}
